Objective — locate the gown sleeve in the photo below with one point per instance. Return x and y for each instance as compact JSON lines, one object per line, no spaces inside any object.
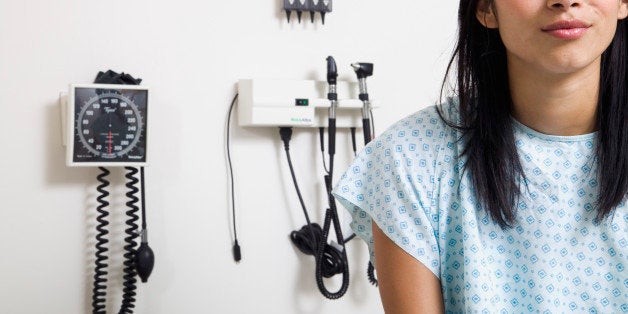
{"x":391,"y":183}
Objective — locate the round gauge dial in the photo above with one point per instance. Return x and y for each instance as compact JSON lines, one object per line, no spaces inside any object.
{"x":110,"y":125}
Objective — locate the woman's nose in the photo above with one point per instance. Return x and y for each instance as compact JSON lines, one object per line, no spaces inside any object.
{"x":563,"y":4}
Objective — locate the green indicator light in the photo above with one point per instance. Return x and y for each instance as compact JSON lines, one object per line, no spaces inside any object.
{"x":302,"y":102}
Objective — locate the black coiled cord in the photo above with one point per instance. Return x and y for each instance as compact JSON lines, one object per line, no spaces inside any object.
{"x":308,"y":238}
{"x":330,"y":260}
{"x":331,"y":215}
{"x":100,"y":273}
{"x":370,"y":273}
{"x":128,"y":297}
{"x":100,"y":287}
{"x":100,"y":279}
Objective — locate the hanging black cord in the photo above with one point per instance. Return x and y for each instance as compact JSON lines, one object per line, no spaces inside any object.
{"x":332,"y":149}
{"x":128,"y":296}
{"x":100,"y":288}
{"x":100,"y":271}
{"x":286,"y":135}
{"x":372,"y":122}
{"x":306,"y":239}
{"x":331,"y":216}
{"x":144,"y":257}
{"x":99,"y":292}
{"x":353,"y":142}
{"x":143,"y":198}
{"x":370,"y":270}
{"x":353,"y":145}
{"x":331,"y":159}
{"x":237,"y":254}
{"x":321,"y":136}
{"x":310,"y":237}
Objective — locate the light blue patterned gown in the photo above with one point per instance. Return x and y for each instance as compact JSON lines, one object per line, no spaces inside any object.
{"x":555,"y":260}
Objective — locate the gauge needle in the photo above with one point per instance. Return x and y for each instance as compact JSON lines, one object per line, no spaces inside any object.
{"x":109,"y":141}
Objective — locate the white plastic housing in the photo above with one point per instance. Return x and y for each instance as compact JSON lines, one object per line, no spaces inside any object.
{"x":272,"y":103}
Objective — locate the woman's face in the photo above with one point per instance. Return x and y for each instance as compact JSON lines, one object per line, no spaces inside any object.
{"x":554,"y":36}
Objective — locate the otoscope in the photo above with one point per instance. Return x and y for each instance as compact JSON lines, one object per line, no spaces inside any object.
{"x":331,"y":257}
{"x":364,"y":70}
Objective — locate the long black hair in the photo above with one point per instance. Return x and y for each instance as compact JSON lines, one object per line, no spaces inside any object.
{"x":485,"y":106}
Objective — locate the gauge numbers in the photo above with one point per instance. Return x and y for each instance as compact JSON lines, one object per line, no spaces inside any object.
{"x":110,"y":125}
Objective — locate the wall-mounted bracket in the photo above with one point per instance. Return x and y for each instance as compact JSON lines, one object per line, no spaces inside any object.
{"x":297,"y":103}
{"x":312,"y":6}
{"x":63,"y":106}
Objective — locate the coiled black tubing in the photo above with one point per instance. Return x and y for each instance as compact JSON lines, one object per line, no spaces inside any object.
{"x":323,"y":256}
{"x":128,"y":297}
{"x":100,"y":273}
{"x":328,"y":254}
{"x":100,"y":279}
{"x":307,"y":240}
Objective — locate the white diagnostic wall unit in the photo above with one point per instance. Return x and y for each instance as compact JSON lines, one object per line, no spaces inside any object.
{"x":296,"y":103}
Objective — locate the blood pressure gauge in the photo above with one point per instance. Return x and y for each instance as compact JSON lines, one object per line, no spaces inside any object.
{"x":106,"y":125}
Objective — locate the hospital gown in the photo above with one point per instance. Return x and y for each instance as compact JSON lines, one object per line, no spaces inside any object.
{"x":555,"y":259}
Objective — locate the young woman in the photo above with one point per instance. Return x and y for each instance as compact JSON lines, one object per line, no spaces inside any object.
{"x":509,"y":197}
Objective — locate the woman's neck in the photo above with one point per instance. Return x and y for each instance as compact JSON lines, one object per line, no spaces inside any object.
{"x":556,"y":104}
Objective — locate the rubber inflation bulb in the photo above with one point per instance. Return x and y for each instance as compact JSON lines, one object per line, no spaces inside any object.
{"x":144,"y":261}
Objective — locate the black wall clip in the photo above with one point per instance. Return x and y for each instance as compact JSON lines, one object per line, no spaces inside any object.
{"x":312,"y":6}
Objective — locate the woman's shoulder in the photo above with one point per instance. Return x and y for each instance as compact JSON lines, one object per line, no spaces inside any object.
{"x":430,"y":127}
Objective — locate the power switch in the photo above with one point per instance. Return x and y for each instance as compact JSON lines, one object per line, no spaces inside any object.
{"x":302,"y":102}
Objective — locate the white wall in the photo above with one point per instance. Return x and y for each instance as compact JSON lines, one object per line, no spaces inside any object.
{"x":191,"y":53}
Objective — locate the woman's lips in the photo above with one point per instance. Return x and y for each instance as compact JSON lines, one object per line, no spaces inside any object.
{"x":573,"y":29}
